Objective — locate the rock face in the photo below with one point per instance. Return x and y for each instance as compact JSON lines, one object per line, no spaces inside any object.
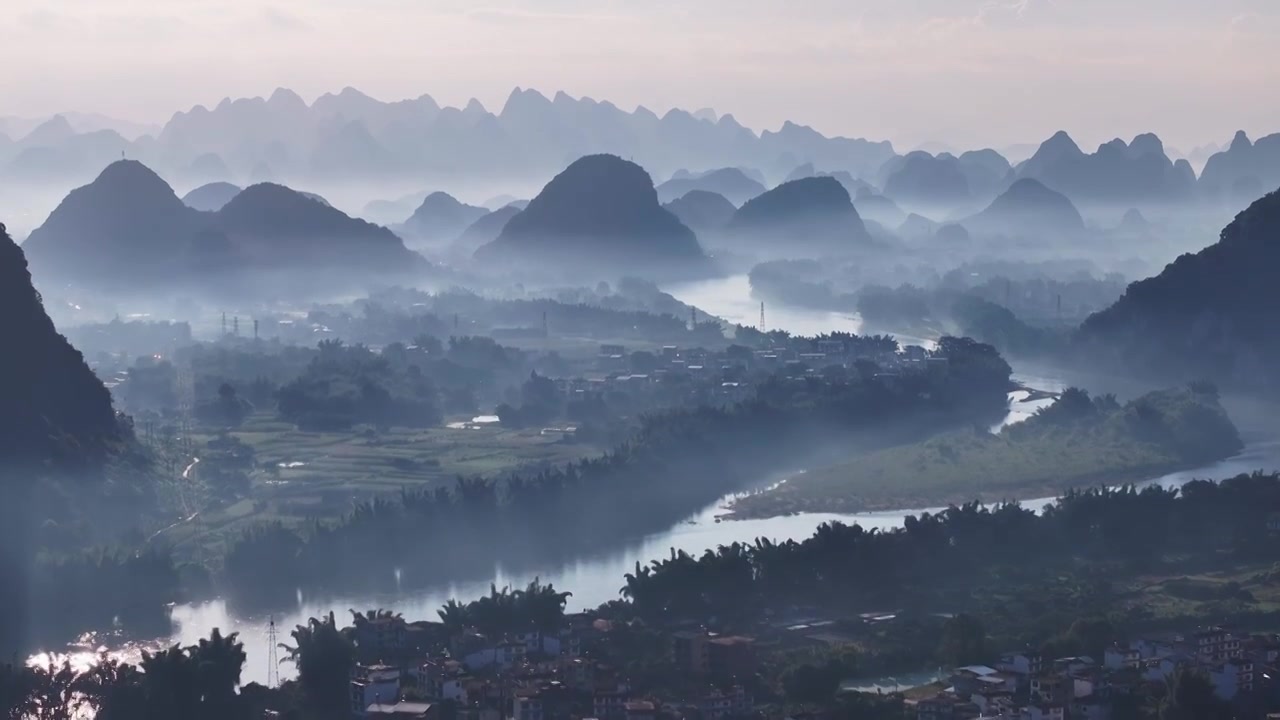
{"x":702,"y":211}
{"x":439,"y":218}
{"x":1137,"y":173}
{"x":813,"y":215}
{"x":211,"y":197}
{"x":601,"y":213}
{"x":1209,"y":315}
{"x":1028,"y":209}
{"x":127,"y":231}
{"x":55,"y":410}
{"x":730,"y":183}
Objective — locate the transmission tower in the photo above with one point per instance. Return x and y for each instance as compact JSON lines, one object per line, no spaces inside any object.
{"x":762,"y":317}
{"x":273,"y":658}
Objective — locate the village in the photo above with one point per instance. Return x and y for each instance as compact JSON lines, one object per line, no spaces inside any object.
{"x":594,"y":667}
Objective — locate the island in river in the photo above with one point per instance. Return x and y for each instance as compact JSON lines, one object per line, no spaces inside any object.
{"x":1077,"y":442}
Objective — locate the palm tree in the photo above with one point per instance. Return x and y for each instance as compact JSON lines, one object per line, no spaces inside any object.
{"x":218,"y":662}
{"x":324,"y":657}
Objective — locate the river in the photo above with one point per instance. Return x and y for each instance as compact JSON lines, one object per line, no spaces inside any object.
{"x":595,"y":577}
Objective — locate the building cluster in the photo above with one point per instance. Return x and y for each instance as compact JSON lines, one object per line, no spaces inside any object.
{"x":1027,"y":686}
{"x":420,"y":670}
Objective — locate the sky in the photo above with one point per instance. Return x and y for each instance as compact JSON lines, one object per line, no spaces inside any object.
{"x":968,"y":73}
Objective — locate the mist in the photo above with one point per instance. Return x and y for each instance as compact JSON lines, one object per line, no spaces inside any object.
{"x":884,"y":360}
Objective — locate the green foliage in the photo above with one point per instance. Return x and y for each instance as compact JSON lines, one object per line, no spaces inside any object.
{"x":817,"y":682}
{"x":963,"y":641}
{"x":324,"y":656}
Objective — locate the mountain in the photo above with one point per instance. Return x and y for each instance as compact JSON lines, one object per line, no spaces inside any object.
{"x":702,"y":211}
{"x":55,"y":411}
{"x":272,"y":226}
{"x":128,"y":232}
{"x":879,"y":208}
{"x":987,"y":172}
{"x":483,"y":231}
{"x":1208,"y":315}
{"x":392,"y":212}
{"x":602,"y":214}
{"x":125,"y":228}
{"x":812,"y":215}
{"x":1244,"y":171}
{"x":1136,"y":173}
{"x":211,"y":197}
{"x":730,"y":183}
{"x":1027,"y":209}
{"x":921,"y":180}
{"x":440,"y":217}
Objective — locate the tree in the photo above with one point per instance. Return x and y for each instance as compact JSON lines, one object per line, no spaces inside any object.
{"x":1189,"y":695}
{"x":963,"y":641}
{"x":218,"y":663}
{"x":324,"y":657}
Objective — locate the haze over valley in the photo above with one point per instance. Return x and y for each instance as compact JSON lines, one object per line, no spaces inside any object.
{"x":318,"y":405}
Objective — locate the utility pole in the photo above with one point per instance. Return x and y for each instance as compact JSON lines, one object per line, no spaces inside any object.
{"x":273,"y":659}
{"x":224,"y":323}
{"x":255,"y":328}
{"x":235,"y":324}
{"x":762,"y":317}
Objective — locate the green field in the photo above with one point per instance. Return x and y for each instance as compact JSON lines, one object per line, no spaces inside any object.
{"x":300,"y":476}
{"x":1086,"y":445}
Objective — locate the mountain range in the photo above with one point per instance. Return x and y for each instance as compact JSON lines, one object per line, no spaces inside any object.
{"x":351,"y":135}
{"x":127,"y":231}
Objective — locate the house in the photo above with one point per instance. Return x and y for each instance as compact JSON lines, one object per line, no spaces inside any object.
{"x":1049,"y":688}
{"x":1020,"y":663}
{"x":373,"y":685}
{"x":1232,"y":678}
{"x":945,"y":706}
{"x":1119,"y":657}
{"x":403,"y":711}
{"x":717,"y":705}
{"x":1216,"y":644}
{"x":443,"y":680}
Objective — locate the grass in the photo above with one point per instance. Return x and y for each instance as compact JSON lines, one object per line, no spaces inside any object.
{"x":337,"y":469}
{"x":1084,"y":446}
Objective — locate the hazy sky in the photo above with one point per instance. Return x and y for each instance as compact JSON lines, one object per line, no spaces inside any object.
{"x":967,"y":72}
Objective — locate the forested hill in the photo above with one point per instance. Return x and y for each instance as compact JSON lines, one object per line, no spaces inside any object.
{"x":55,"y":410}
{"x":1208,"y":315}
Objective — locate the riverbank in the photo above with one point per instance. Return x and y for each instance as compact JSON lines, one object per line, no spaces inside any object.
{"x":1076,"y":443}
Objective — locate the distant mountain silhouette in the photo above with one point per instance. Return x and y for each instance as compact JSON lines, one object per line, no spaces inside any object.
{"x":392,"y":212}
{"x":853,"y":185}
{"x":211,"y":197}
{"x":440,"y":217}
{"x":1209,"y":315}
{"x":1027,"y":209}
{"x":56,"y":413}
{"x":483,"y":231}
{"x":917,"y":227}
{"x":273,"y":226}
{"x":702,"y":211}
{"x":921,"y":180}
{"x":812,"y":215}
{"x":350,"y":136}
{"x":127,"y":231}
{"x":1243,"y":171}
{"x":1118,"y":173}
{"x":500,"y":201}
{"x":730,"y":183}
{"x":987,"y":172}
{"x":601,"y":213}
{"x":872,"y":206}
{"x":952,"y":233}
